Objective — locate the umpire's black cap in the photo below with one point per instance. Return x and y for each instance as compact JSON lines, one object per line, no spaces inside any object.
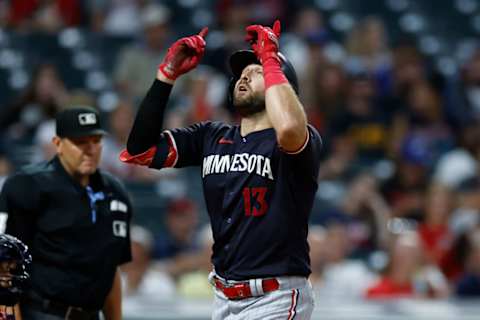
{"x":242,"y":58}
{"x":78,"y":122}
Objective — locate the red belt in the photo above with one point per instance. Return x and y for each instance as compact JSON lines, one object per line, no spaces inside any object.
{"x":242,"y":290}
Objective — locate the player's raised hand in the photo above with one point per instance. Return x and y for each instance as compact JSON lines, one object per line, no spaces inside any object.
{"x":264,"y":40}
{"x":183,"y":55}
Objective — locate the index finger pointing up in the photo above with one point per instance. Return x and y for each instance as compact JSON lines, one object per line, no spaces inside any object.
{"x":276,"y":27}
{"x":204,"y":32}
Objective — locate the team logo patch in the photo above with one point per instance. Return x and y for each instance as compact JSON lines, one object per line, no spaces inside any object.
{"x":119,"y":228}
{"x":117,"y":205}
{"x":86,"y":119}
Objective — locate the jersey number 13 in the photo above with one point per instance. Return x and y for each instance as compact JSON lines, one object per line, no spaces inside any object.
{"x":254,"y":201}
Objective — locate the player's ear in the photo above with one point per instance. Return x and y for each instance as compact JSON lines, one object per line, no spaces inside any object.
{"x":56,"y":140}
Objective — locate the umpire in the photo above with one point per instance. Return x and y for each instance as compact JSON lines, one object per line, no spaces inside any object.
{"x":75,"y":219}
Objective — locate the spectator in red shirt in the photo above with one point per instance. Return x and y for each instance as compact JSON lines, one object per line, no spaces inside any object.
{"x":398,"y":278}
{"x":434,"y":231}
{"x":406,"y":276}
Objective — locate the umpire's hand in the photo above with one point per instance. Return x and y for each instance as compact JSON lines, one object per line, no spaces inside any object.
{"x":183,"y":56}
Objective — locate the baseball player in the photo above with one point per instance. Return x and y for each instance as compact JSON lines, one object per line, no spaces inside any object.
{"x":15,"y":263}
{"x":259,"y":177}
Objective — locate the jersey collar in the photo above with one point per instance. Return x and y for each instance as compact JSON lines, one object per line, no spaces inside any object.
{"x":254,"y":134}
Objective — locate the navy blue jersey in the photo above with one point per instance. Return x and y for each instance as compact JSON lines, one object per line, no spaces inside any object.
{"x":258,"y":197}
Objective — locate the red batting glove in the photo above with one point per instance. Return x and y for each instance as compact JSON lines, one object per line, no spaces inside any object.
{"x":183,"y":55}
{"x":264,"y":40}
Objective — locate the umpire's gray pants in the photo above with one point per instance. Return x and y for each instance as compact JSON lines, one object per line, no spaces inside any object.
{"x":293,"y":300}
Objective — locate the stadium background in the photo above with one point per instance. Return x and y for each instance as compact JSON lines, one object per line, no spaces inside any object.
{"x":392,"y":85}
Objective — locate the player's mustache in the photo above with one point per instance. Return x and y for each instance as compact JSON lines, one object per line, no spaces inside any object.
{"x":243,"y":83}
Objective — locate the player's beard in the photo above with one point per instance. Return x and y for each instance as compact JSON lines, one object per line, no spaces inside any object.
{"x":248,"y":105}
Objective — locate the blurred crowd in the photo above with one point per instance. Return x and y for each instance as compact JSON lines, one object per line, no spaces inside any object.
{"x":397,"y":212}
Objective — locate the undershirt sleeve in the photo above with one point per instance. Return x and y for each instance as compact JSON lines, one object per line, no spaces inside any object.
{"x":148,"y":125}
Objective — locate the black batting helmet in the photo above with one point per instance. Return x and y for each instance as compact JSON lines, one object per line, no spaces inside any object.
{"x":242,"y":58}
{"x":15,"y":264}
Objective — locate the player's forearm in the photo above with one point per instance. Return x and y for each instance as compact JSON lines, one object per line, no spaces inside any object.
{"x":287,"y":116}
{"x":17,"y":312}
{"x":148,"y":123}
{"x":112,"y":309}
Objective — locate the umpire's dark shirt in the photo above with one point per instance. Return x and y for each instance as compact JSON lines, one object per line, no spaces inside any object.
{"x":74,"y":258}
